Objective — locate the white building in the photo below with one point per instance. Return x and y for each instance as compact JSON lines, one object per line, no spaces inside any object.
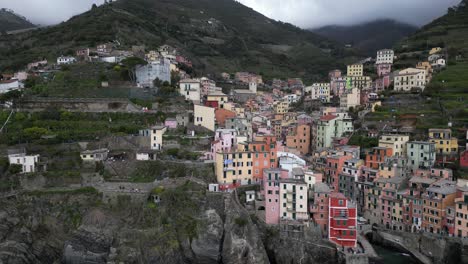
{"x":351,"y":98}
{"x":294,"y":206}
{"x":159,"y":69}
{"x":319,"y":91}
{"x":63,"y":60}
{"x":407,"y":79}
{"x":385,"y":56}
{"x":10,"y":85}
{"x":204,"y":116}
{"x":190,"y":89}
{"x":438,"y":63}
{"x":291,"y":98}
{"x":94,"y":155}
{"x":28,"y":162}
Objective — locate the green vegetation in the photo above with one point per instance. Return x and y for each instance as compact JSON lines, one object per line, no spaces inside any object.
{"x":84,"y":190}
{"x":448,"y":32}
{"x":240,"y":221}
{"x":363,"y":141}
{"x":11,"y":21}
{"x":69,"y":126}
{"x":180,"y":23}
{"x":148,"y":171}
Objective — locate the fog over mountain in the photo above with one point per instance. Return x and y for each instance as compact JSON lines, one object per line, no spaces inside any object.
{"x":303,"y":13}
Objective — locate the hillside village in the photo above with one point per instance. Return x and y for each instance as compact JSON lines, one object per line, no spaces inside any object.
{"x":332,"y":155}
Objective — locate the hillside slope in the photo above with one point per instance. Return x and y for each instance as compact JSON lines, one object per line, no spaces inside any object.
{"x":368,"y":37}
{"x":449,"y":31}
{"x":219,"y":35}
{"x":11,"y":21}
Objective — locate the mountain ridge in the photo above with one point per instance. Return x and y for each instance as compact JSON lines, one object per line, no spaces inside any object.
{"x":218,"y":35}
{"x":368,"y":37}
{"x":9,"y":21}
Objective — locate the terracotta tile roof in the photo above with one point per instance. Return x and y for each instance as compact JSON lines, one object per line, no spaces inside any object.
{"x":327,"y":117}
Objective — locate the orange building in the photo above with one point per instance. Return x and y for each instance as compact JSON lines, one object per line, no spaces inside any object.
{"x":461,"y":212}
{"x":436,"y":201}
{"x":377,"y":156}
{"x":300,"y":139}
{"x":221,"y":115}
{"x":264,"y":156}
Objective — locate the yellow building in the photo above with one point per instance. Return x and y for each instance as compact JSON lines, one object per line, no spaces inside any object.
{"x":355,"y":70}
{"x":204,"y":116}
{"x":444,"y":142}
{"x":435,"y":50}
{"x":281,"y":107}
{"x":234,"y":167}
{"x":427,"y":67}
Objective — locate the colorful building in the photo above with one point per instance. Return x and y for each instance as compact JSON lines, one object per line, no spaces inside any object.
{"x":271,"y":188}
{"x":420,"y":154}
{"x":444,"y":142}
{"x":342,"y":221}
{"x":299,"y":139}
{"x":396,"y":142}
{"x":377,"y":156}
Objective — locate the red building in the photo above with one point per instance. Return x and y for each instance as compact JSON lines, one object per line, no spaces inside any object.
{"x":342,"y":221}
{"x":377,"y":156}
{"x":464,"y":159}
{"x":212,"y":104}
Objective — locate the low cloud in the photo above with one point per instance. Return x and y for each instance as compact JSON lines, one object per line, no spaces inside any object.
{"x":303,"y":13}
{"x":317,"y":13}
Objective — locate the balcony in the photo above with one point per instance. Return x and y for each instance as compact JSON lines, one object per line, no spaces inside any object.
{"x":290,"y":191}
{"x":291,"y":209}
{"x":290,"y":199}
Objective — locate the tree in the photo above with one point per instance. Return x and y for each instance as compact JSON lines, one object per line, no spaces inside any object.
{"x":130,"y":65}
{"x":157,"y":82}
{"x":35,"y":132}
{"x":94,"y":6}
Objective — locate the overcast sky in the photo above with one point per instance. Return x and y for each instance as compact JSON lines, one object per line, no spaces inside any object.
{"x":303,"y":13}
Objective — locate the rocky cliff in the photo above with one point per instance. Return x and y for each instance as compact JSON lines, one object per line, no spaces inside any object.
{"x":188,"y":225}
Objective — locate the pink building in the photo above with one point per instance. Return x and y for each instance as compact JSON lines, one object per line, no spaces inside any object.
{"x":319,"y":209}
{"x":334,"y":74}
{"x":384,"y":69}
{"x":435,"y":172}
{"x":271,"y":187}
{"x":382,"y":83}
{"x":224,"y":141}
{"x":170,"y":123}
{"x":338,"y":86}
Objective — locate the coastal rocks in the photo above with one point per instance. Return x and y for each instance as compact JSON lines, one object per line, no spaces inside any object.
{"x":87,"y":245}
{"x":242,"y":242}
{"x":206,"y":247}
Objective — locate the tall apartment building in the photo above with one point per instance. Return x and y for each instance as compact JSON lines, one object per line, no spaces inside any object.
{"x":299,"y":139}
{"x":293,"y":199}
{"x":436,"y":200}
{"x":385,"y":56}
{"x":355,"y":70}
{"x":271,"y":187}
{"x":342,"y":221}
{"x":332,"y":126}
{"x":420,"y":154}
